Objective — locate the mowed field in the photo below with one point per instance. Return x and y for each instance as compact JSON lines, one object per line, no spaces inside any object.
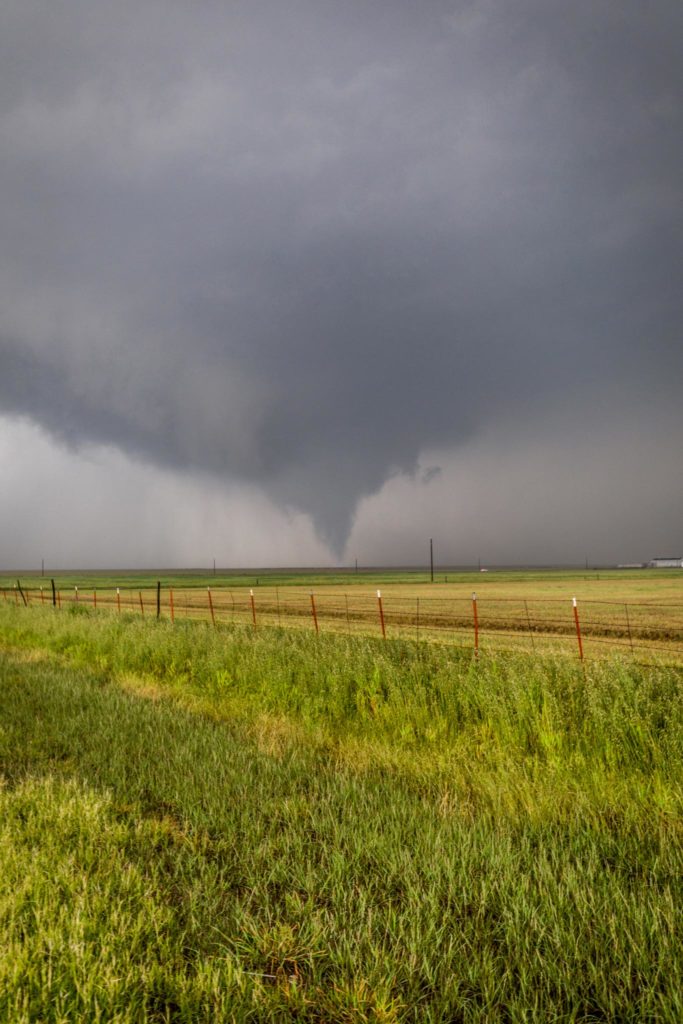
{"x":639,"y":611}
{"x":269,"y":824}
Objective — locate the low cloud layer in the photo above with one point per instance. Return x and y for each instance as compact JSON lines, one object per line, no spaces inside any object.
{"x":298,"y":248}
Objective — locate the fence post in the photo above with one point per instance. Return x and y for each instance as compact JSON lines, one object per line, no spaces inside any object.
{"x":23,"y":595}
{"x":213,"y":617}
{"x":578,"y":627}
{"x":628,"y":626}
{"x":158,"y":599}
{"x":528,"y":619}
{"x":94,"y":598}
{"x":170,"y":597}
{"x":381,"y":613}
{"x":315,"y":617}
{"x":253,"y":607}
{"x":76,"y":594}
{"x":142,"y":607}
{"x":476,"y":625}
{"x":54,"y":595}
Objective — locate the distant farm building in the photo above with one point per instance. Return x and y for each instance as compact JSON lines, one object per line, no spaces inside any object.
{"x":667,"y":563}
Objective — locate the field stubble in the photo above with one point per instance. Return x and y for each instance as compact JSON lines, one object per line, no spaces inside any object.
{"x":640,"y":614}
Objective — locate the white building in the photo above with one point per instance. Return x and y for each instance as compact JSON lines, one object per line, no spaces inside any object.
{"x":667,"y":563}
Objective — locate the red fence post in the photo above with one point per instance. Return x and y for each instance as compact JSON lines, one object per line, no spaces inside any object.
{"x":213,"y":617}
{"x":381,"y":613}
{"x":253,"y":607}
{"x":315,"y":617}
{"x":528,"y":619}
{"x":476,"y":625}
{"x":578,"y":627}
{"x":628,"y":626}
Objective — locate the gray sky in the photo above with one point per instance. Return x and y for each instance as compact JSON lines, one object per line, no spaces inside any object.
{"x":299,"y":283}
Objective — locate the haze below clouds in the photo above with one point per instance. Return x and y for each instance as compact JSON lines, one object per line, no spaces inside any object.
{"x":288,"y":284}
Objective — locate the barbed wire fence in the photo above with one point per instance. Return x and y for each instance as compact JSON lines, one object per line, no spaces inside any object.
{"x":535,"y":625}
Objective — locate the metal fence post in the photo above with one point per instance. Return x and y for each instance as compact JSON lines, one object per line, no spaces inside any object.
{"x":528,"y":619}
{"x":381,"y":613}
{"x":476,"y":625}
{"x":578,"y":627}
{"x":628,"y":626}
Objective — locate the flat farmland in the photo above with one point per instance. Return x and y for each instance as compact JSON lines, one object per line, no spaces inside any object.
{"x":638,"y":613}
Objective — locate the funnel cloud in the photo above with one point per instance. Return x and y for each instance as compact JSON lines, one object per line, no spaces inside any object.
{"x":325,"y":253}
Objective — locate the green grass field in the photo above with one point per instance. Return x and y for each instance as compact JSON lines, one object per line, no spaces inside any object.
{"x":624,"y":583}
{"x":227,"y":824}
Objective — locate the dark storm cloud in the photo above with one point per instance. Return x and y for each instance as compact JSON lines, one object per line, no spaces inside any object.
{"x":300,"y":244}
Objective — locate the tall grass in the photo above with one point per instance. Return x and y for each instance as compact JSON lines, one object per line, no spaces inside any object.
{"x":324,"y":829}
{"x":434,"y":712}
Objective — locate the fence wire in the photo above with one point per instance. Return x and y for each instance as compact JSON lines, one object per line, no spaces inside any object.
{"x":533,"y":624}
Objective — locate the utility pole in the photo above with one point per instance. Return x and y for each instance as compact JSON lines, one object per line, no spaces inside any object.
{"x":431,"y":558}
